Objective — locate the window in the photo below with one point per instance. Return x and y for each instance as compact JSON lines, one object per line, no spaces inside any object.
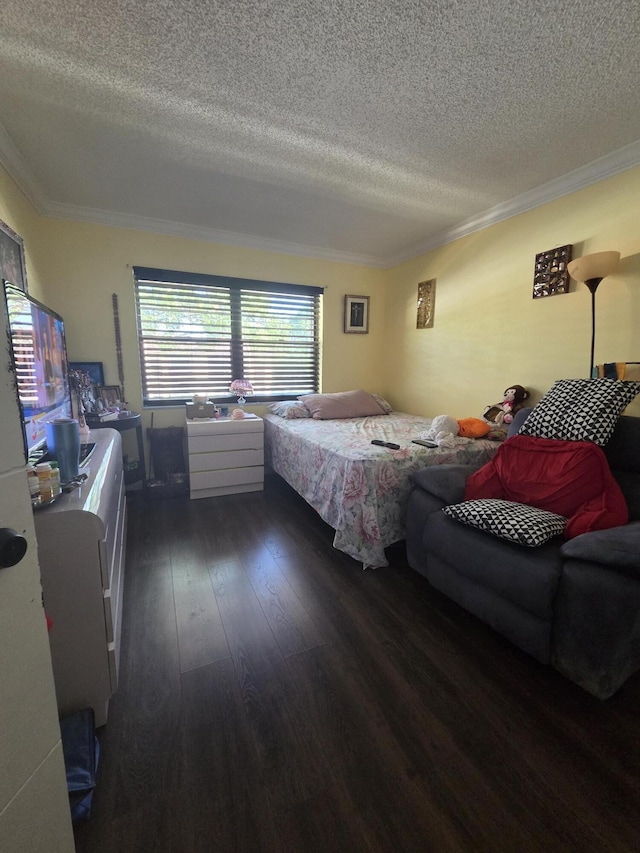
{"x":199,"y":332}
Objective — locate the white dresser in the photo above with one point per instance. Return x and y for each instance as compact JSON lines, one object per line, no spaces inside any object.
{"x":81,"y":550}
{"x":226,"y":456}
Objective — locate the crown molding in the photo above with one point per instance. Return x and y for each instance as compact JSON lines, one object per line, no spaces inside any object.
{"x":598,"y":170}
{"x":210,"y":235}
{"x":16,"y":166}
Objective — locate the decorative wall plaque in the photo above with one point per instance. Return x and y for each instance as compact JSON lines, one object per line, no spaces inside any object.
{"x":426,"y":303}
{"x":550,"y":276}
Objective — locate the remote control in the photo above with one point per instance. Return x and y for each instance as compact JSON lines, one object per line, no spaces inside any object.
{"x":388,"y":444}
{"x":424,"y":442}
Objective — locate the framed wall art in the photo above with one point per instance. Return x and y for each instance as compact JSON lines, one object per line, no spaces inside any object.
{"x":426,"y":303}
{"x":12,"y":264}
{"x":550,"y":276}
{"x":93,"y":369}
{"x":356,"y":314}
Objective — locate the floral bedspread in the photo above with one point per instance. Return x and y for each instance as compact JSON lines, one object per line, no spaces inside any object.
{"x":360,"y":489}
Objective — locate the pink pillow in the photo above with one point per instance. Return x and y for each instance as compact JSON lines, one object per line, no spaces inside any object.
{"x":342,"y":404}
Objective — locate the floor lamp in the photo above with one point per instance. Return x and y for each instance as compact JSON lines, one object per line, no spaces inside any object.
{"x":591,"y":269}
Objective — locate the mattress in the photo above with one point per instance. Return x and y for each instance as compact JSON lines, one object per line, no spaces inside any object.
{"x":360,"y":489}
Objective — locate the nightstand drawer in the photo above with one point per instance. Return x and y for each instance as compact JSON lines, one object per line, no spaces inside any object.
{"x":229,"y":459}
{"x":233,"y":441}
{"x":209,"y":483}
{"x":224,"y":426}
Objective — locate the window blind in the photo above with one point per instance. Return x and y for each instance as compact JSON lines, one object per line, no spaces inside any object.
{"x":199,"y":332}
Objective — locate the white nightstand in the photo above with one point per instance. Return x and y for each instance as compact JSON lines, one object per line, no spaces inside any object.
{"x":226,"y":456}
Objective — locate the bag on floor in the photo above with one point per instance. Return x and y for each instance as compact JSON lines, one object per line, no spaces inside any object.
{"x":81,"y":750}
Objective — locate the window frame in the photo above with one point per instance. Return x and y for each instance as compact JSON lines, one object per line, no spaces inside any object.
{"x":235,"y":286}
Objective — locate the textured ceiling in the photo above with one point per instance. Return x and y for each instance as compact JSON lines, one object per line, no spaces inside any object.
{"x":361,"y":129}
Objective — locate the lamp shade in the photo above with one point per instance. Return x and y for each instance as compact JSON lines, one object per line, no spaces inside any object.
{"x":241,"y":387}
{"x":598,"y":265}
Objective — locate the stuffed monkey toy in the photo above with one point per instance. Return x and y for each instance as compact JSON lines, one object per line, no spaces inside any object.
{"x":512,"y":401}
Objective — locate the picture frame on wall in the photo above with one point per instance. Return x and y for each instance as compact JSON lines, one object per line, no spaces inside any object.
{"x":356,"y":314}
{"x":426,"y":304}
{"x":93,"y":369}
{"x":13,"y":269}
{"x":551,"y":276}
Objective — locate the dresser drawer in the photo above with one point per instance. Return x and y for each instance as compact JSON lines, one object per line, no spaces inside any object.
{"x":112,"y":654}
{"x":108,"y":616}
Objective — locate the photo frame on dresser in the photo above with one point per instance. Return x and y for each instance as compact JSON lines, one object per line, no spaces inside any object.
{"x":13,"y":269}
{"x":111,"y":395}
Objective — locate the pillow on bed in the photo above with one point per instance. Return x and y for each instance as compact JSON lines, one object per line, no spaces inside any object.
{"x":386,"y":407}
{"x":290,"y":409}
{"x":342,"y":404}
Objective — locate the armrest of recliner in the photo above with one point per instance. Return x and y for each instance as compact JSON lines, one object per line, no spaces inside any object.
{"x":445,"y":482}
{"x":617,"y":548}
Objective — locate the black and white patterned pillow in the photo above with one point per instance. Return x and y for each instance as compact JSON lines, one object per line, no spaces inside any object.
{"x":516,"y":522}
{"x":580,"y":410}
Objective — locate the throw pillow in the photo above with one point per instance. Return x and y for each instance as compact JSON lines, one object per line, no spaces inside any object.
{"x":342,"y":404}
{"x":569,"y":478}
{"x":580,"y":410}
{"x":290,"y":409}
{"x":515,"y":522}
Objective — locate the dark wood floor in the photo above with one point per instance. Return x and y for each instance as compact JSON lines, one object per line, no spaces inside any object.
{"x":275,"y":697}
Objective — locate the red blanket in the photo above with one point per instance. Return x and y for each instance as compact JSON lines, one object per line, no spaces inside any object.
{"x":571,"y":478}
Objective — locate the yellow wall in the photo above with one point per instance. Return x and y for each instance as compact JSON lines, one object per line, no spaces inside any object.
{"x":79,"y":266}
{"x":19,"y":214}
{"x":489,"y":332}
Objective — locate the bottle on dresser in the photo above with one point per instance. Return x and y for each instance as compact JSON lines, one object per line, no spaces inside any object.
{"x":56,"y":487}
{"x":43,"y":470}
{"x":34,"y":485}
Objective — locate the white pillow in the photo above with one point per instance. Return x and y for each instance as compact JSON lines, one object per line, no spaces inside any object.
{"x":290,"y":409}
{"x":386,"y":407}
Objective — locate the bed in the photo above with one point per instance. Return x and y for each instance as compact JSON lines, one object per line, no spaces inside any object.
{"x":360,"y":489}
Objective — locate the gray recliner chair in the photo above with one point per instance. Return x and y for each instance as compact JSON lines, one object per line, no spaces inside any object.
{"x":573,"y":604}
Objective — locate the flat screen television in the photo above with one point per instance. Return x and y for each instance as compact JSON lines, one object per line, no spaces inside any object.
{"x":39,"y":353}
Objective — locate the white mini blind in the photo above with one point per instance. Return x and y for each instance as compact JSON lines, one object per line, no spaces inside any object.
{"x":199,"y":332}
